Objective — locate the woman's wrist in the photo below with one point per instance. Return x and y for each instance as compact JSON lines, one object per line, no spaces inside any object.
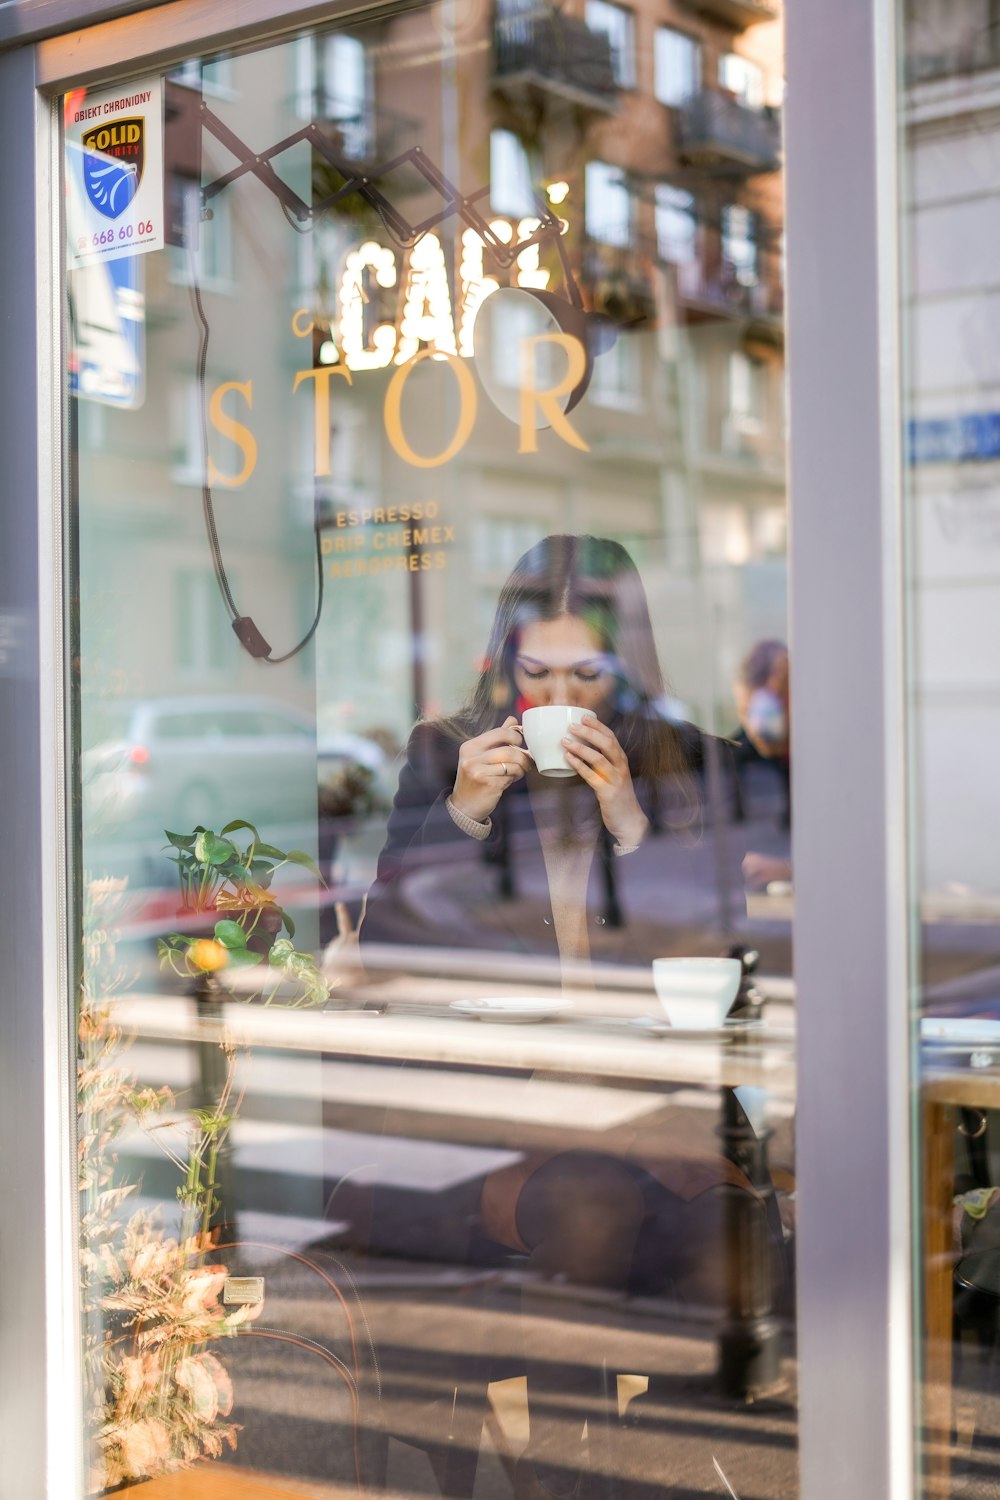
{"x":629,"y":833}
{"x":476,"y":828}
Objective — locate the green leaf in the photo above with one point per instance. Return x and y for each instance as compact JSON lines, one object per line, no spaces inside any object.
{"x":241,"y":823}
{"x":243,"y":958}
{"x":299,"y":857}
{"x":288,"y":923}
{"x":180,"y":840}
{"x":270,"y":851}
{"x":230,"y":934}
{"x":281,"y":952}
{"x":212,"y":850}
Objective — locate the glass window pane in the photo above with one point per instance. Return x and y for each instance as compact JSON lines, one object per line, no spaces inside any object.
{"x":426,"y":521}
{"x":949,"y":146}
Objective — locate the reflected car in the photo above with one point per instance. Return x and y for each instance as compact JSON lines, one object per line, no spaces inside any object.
{"x":177,"y":762}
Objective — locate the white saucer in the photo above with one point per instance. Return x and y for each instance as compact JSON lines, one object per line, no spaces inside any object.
{"x":512,"y":1009}
{"x":653,"y":1026}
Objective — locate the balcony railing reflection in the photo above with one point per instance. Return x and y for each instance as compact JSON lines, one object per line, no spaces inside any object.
{"x":539,"y":47}
{"x":721,"y":291}
{"x":716,"y":131}
{"x":362,"y":131}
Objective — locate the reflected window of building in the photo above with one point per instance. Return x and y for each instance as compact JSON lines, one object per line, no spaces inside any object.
{"x":742,"y":77}
{"x":739,"y":243}
{"x":746,"y":400}
{"x":498,"y":542}
{"x":676,"y":66}
{"x":511,"y":175}
{"x":617,"y":377}
{"x":206,"y":256}
{"x":676,"y":224}
{"x":618,"y":25}
{"x":333,"y":86}
{"x":213,"y":76}
{"x":202,"y":639}
{"x":608,"y":211}
{"x":187,"y":443}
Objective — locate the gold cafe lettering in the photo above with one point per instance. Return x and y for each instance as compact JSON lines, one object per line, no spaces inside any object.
{"x":427,"y":330}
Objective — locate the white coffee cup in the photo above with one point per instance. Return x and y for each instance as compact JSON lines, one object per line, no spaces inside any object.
{"x":544,"y":728}
{"x":696,"y":993}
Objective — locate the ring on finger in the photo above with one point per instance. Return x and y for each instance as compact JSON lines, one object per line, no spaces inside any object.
{"x":503,"y":767}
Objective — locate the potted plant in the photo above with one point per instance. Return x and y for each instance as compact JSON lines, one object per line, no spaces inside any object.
{"x":233,"y":880}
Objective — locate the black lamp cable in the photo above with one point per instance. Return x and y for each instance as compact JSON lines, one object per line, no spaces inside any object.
{"x":244,"y":627}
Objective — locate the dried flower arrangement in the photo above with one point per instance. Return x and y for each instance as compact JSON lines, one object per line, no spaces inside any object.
{"x":156,"y":1397}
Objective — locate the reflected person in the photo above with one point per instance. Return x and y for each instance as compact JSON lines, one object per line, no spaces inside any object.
{"x":763,"y":755}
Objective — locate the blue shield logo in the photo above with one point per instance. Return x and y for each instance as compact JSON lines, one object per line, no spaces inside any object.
{"x":113,"y":160}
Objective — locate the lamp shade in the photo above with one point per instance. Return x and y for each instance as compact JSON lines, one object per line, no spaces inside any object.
{"x":506,"y":359}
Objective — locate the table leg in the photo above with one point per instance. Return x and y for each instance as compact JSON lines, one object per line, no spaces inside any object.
{"x":938,"y":1271}
{"x":750,"y":1337}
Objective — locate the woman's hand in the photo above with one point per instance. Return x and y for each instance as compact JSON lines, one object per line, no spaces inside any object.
{"x":487,"y":766}
{"x":596,"y":756}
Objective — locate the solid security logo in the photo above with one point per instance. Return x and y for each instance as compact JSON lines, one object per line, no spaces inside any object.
{"x":114,"y":157}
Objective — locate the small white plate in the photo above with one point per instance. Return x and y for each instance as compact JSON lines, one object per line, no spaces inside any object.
{"x":512,"y":1009}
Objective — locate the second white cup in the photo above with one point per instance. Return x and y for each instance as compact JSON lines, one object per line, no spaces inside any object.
{"x":544,"y":728}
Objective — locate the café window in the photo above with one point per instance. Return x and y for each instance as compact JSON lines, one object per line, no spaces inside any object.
{"x":677,"y":66}
{"x":617,"y":23}
{"x":439,"y":1136}
{"x":608,"y":204}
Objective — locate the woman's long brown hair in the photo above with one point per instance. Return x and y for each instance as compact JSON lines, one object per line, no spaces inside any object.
{"x":593,"y":579}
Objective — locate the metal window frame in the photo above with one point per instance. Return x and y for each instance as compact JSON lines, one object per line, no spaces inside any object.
{"x":856,"y":1326}
{"x":856,"y":1338}
{"x":40,"y":1415}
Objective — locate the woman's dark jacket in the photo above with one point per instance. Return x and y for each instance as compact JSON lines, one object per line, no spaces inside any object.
{"x":680,"y":892}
